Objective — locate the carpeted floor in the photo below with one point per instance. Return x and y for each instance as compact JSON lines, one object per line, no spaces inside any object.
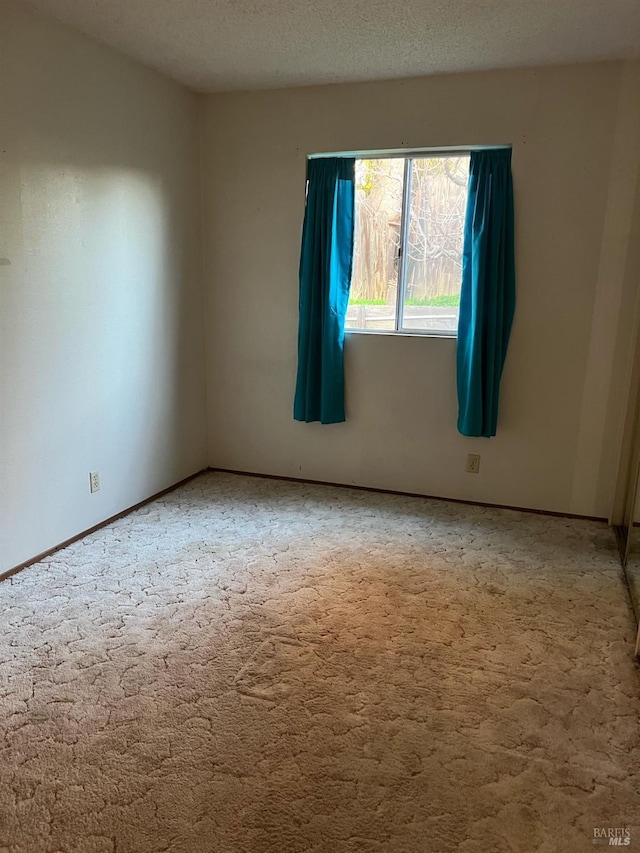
{"x":252,"y":666}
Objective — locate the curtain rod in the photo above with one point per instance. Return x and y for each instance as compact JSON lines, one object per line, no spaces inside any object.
{"x":389,"y":153}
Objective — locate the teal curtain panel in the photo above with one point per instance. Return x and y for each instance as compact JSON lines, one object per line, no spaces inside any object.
{"x":326,"y":260}
{"x":487,"y":300}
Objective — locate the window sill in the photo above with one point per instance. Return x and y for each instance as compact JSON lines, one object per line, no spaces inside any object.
{"x":452,"y":336}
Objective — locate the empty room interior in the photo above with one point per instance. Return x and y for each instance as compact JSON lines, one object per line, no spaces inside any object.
{"x":319,"y":426}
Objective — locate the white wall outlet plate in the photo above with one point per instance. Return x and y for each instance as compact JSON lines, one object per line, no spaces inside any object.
{"x":473,"y":463}
{"x":94,"y":481}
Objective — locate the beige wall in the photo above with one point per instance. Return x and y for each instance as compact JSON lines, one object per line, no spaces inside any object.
{"x":101,"y":338}
{"x":561,"y":411}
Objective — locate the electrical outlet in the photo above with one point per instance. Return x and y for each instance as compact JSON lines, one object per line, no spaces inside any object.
{"x":94,"y":481}
{"x":473,"y":463}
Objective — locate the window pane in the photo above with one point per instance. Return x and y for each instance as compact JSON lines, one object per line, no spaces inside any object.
{"x":434,"y":246}
{"x":374,"y":282}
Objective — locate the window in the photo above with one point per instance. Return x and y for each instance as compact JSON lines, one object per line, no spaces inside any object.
{"x":407,"y":260}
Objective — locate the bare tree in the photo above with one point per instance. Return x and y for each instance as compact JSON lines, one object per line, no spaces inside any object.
{"x":434,"y":247}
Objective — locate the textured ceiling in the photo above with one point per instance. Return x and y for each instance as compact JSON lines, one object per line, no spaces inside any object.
{"x":244,"y":44}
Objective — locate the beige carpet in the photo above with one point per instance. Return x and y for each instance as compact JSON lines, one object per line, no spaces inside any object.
{"x":265,"y":667}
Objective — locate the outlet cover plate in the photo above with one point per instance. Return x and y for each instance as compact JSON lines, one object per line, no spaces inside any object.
{"x":473,"y":463}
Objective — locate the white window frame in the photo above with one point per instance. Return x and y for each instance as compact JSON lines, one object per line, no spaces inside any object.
{"x":407,"y":155}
